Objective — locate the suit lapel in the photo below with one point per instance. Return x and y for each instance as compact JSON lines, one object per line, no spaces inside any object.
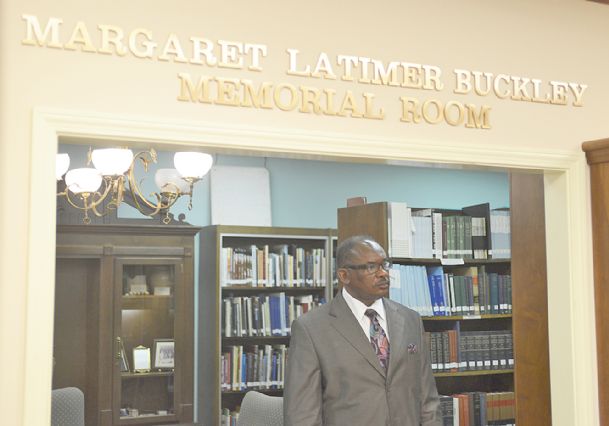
{"x":343,"y":320}
{"x":397,"y":335}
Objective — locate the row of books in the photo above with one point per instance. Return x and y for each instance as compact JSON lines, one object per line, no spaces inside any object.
{"x":463,"y":291}
{"x":455,"y":350}
{"x":264,"y":314}
{"x":280,"y":265}
{"x":254,"y":367}
{"x":478,"y":409}
{"x":475,"y":232}
{"x":466,"y":409}
{"x":229,"y":418}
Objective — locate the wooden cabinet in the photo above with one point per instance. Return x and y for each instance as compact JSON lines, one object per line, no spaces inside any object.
{"x":245,"y":272}
{"x":124,"y":321}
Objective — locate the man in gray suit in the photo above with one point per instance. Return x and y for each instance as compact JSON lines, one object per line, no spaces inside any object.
{"x":360,"y":359}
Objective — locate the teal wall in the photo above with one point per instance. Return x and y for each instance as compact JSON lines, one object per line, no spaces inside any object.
{"x":306,"y":193}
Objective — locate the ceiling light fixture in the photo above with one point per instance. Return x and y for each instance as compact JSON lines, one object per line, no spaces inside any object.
{"x":112,"y":180}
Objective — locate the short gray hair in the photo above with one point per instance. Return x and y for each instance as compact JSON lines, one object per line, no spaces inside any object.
{"x":350,"y":247}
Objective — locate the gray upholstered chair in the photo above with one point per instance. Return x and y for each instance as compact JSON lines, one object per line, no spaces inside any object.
{"x":67,"y":407}
{"x":258,"y":409}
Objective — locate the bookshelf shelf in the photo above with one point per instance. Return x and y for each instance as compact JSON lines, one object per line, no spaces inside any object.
{"x":448,"y":263}
{"x":473,"y":373}
{"x":143,"y":419}
{"x":256,"y":290}
{"x":271,"y":392}
{"x":145,"y":302}
{"x":467,"y":317}
{"x":253,"y":315}
{"x":146,"y":375}
{"x":256,"y":340}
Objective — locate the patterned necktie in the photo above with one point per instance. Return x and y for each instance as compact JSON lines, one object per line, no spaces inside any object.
{"x":378,"y":339}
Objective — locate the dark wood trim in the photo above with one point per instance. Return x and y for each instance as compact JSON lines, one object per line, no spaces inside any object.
{"x":597,"y":151}
{"x":597,"y":154}
{"x":148,"y":251}
{"x":530,"y":300}
{"x":129,"y":229}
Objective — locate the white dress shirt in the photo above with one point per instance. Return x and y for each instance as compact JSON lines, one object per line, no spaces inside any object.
{"x":359,"y":310}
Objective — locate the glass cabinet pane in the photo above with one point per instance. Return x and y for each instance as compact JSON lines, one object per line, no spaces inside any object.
{"x":147,"y":341}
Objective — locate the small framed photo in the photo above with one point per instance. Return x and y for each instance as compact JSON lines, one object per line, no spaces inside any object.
{"x":164,"y":354}
{"x":124,"y":360}
{"x":141,"y":359}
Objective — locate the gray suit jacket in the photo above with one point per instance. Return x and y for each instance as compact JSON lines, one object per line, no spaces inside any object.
{"x":334,"y":378}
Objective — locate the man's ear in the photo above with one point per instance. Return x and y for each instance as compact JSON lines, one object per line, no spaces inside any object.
{"x":343,"y":275}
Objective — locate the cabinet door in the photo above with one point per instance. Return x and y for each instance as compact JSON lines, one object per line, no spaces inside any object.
{"x":148,"y":294}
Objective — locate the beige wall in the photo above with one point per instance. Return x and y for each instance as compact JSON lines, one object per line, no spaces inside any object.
{"x":550,"y":40}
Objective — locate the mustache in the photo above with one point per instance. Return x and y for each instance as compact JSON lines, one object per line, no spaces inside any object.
{"x":383,"y":281}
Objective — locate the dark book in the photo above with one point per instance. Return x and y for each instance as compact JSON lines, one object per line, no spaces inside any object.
{"x":481,"y":231}
{"x":433,"y":355}
{"x":471,"y":408}
{"x":446,"y":351}
{"x":446,"y":406}
{"x":463,"y":352}
{"x":495,"y":349}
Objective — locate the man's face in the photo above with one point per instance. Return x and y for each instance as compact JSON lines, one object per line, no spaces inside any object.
{"x":361,"y":284}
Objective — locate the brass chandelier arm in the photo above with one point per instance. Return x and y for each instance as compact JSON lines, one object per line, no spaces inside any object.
{"x":97,"y":199}
{"x":136,"y":194}
{"x":141,"y":202}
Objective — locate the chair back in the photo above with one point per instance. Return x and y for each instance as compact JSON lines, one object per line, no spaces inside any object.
{"x":258,"y":409}
{"x":67,"y":407}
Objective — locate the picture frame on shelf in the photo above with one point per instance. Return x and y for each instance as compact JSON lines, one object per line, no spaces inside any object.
{"x":124,"y":360}
{"x":164,"y":354}
{"x":141,"y":359}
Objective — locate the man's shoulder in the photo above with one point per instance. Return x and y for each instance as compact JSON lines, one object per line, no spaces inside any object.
{"x":401,"y":309}
{"x":315,"y":315}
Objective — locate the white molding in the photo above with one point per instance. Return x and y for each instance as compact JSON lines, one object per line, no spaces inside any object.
{"x":565,"y":167}
{"x":299,"y":141}
{"x":573,"y":368}
{"x":582,"y":292}
{"x":40,"y":275}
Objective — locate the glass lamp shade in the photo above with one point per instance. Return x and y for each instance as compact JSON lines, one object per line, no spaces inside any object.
{"x":112,"y":161}
{"x":62,"y":163}
{"x":83,"y":180}
{"x":168,"y":179}
{"x":192,"y":164}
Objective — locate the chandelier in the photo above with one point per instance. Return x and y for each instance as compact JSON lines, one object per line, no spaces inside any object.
{"x":111,"y":181}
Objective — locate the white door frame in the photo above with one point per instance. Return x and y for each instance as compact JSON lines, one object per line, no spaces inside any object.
{"x":570,"y":282}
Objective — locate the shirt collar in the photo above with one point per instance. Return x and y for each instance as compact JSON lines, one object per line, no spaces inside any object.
{"x":359,"y":309}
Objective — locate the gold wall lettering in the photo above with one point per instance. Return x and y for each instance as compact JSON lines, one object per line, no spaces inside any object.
{"x":195,"y":50}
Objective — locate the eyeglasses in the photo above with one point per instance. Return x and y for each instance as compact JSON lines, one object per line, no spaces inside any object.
{"x":371,"y":267}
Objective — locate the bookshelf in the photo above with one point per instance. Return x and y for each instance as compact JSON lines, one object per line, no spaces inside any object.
{"x":597,"y":155}
{"x":526,"y":320}
{"x":247,"y":275}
